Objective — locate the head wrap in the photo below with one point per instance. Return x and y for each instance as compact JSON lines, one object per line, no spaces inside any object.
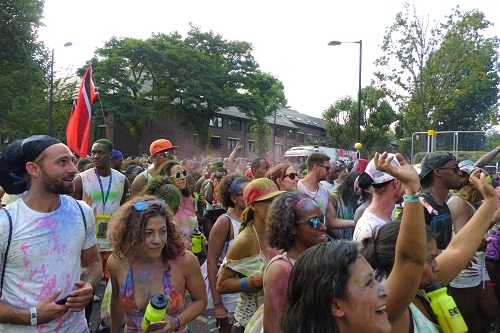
{"x":14,"y":158}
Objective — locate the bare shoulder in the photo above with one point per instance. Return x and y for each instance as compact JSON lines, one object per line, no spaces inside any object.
{"x":244,"y":245}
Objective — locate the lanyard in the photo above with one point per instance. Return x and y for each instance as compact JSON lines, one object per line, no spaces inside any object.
{"x":104,"y":199}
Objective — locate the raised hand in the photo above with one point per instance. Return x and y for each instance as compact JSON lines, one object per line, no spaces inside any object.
{"x":405,"y":172}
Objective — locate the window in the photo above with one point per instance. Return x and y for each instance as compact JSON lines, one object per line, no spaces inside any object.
{"x":231,"y":143}
{"x":280,"y":132}
{"x":278,"y":149}
{"x":215,"y":142}
{"x":234,"y":125}
{"x":300,"y":137}
{"x":101,"y":132}
{"x":215,"y":122}
{"x":323,"y":134}
{"x":251,"y":145}
{"x":291,"y":134}
{"x":248,"y":127}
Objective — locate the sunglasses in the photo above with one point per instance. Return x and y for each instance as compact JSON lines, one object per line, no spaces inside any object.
{"x":327,"y":168}
{"x":292,"y":176}
{"x":180,"y":175}
{"x":314,"y":222}
{"x":143,"y":205}
{"x":168,"y":153}
{"x":220,"y":174}
{"x":455,"y":168}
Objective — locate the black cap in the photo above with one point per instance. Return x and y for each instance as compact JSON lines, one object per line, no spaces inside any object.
{"x":434,"y":160}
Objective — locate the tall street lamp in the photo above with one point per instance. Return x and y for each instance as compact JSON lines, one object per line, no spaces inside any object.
{"x":360,"y":42}
{"x":52,"y":87}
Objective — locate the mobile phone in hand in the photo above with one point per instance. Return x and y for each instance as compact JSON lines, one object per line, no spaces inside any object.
{"x":155,"y":325}
{"x":62,"y":301}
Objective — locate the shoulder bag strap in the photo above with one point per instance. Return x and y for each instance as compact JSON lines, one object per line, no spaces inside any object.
{"x":83,"y":215}
{"x":6,"y":251}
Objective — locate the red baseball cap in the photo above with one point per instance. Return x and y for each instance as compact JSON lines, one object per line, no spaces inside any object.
{"x":159,"y":145}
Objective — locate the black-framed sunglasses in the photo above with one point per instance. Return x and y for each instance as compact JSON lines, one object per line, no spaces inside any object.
{"x":327,"y":167}
{"x":314,"y":222}
{"x":143,"y":205}
{"x":292,"y":176}
{"x":180,"y":175}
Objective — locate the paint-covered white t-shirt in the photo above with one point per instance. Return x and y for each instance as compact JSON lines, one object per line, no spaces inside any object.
{"x":44,"y":255}
{"x":367,"y":226}
{"x":104,"y":198}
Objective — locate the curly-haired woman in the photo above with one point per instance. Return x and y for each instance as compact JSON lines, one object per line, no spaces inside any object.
{"x":294,"y":224}
{"x":230,"y":191}
{"x":151,"y":258}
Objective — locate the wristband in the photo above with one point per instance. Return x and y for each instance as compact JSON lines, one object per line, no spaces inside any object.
{"x":33,"y":316}
{"x":243,"y":283}
{"x":411,"y":198}
{"x":177,"y":324}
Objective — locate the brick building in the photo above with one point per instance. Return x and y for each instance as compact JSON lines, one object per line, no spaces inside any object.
{"x":291,"y":128}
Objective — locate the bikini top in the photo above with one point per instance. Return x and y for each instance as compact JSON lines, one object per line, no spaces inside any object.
{"x":133,"y":315}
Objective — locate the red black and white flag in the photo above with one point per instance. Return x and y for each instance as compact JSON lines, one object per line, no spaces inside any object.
{"x":78,"y":130}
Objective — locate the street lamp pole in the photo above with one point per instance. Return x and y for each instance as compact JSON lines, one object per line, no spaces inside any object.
{"x":52,"y":87}
{"x":51,"y":91}
{"x":360,"y":42}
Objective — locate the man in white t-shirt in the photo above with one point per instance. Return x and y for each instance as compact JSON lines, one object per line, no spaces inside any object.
{"x":318,"y":166}
{"x":48,"y":246}
{"x":387,"y":191}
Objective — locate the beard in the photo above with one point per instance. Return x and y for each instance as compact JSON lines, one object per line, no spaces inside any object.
{"x":56,"y":185}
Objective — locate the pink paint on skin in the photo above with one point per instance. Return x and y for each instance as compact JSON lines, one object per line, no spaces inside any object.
{"x":305,"y":205}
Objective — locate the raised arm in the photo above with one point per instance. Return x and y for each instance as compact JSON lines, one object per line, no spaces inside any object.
{"x":411,"y":245}
{"x":465,"y":243}
{"x":487,"y":158}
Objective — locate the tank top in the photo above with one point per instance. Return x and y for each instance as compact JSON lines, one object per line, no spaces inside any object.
{"x":227,"y":245}
{"x":133,"y":315}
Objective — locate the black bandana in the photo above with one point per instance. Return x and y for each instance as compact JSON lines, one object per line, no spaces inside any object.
{"x":14,"y":158}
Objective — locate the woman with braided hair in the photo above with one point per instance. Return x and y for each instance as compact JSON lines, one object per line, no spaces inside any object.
{"x":242,"y":269}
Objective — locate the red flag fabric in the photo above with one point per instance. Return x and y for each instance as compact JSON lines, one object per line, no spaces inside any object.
{"x":78,"y":130}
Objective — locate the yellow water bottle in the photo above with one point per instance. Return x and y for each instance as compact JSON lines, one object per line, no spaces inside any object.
{"x":196,"y":239}
{"x":444,"y":307}
{"x":155,"y":310}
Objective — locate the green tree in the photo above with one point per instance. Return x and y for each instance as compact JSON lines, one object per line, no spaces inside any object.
{"x":187,"y":80}
{"x":444,"y":77}
{"x":377,"y":120}
{"x":23,"y":67}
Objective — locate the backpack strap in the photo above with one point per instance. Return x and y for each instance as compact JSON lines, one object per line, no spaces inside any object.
{"x":6,"y":251}
{"x":83,"y":215}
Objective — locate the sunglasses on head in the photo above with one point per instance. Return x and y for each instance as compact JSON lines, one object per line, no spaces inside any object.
{"x":314,"y":222}
{"x":143,"y":205}
{"x":292,"y":175}
{"x":179,"y":175}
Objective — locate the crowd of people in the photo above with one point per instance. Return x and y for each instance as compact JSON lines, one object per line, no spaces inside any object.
{"x":328,"y":246}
